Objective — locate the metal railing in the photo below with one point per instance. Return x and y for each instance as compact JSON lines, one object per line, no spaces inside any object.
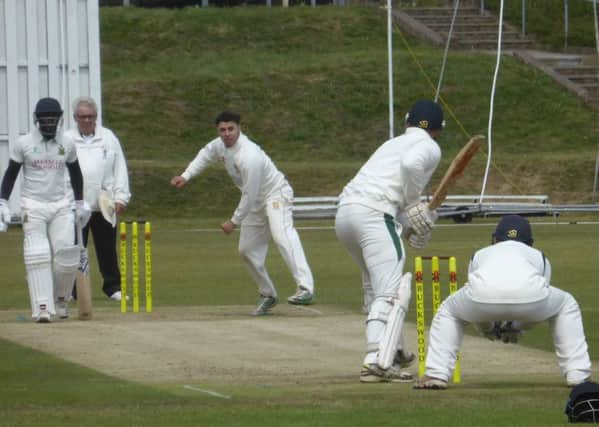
{"x":461,"y":208}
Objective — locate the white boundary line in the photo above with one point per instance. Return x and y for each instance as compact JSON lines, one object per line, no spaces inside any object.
{"x":210,"y":392}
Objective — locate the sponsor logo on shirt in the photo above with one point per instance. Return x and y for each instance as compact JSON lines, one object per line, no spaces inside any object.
{"x":48,"y":164}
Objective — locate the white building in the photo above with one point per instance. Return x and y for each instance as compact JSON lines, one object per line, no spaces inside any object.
{"x":47,"y":48}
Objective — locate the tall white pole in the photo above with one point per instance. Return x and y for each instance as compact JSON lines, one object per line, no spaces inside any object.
{"x":594,"y":196}
{"x":596,"y":25}
{"x":566,"y":23}
{"x":390,"y":65}
{"x":455,"y":12}
{"x":492,"y":102}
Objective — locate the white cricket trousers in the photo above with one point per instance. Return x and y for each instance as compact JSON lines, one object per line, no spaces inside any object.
{"x":559,"y":308}
{"x":47,"y":228}
{"x":275,"y":220}
{"x":372,"y":239}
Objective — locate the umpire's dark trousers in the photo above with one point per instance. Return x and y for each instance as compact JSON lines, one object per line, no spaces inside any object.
{"x":104,"y":236}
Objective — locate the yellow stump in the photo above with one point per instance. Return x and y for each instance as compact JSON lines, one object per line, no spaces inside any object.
{"x":135,"y":265}
{"x":453,"y":286}
{"x":148,"y":265}
{"x":436,"y":299}
{"x":436,"y":284}
{"x":420,"y":316}
{"x":123,"y":260}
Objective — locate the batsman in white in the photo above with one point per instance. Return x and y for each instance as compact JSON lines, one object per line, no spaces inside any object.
{"x":381,"y":203}
{"x":50,"y":249}
{"x":265,"y":209}
{"x":508,"y":290}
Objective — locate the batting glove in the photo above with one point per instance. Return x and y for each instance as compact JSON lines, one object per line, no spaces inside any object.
{"x":421,"y":218}
{"x":83,"y":211}
{"x":4,"y":215}
{"x":417,"y":241}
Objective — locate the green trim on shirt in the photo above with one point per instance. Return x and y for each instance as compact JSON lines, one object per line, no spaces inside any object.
{"x":390,"y":222}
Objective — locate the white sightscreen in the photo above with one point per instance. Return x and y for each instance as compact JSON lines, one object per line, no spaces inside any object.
{"x":47,"y":48}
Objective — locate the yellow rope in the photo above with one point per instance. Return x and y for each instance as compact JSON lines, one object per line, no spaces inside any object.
{"x":447,"y":108}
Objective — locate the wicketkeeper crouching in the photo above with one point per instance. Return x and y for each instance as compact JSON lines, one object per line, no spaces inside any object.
{"x":508,"y":290}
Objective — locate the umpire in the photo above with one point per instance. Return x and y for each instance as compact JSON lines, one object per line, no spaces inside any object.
{"x":104,"y":169}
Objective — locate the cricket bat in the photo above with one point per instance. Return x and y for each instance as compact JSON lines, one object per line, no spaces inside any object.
{"x":455,"y":170}
{"x":83,"y":283}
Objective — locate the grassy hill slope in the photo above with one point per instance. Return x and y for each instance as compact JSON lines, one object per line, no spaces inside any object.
{"x":311,"y":85}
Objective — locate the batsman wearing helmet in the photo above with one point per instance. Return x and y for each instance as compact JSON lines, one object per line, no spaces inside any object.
{"x":376,"y":207}
{"x":265,"y":209}
{"x":508,"y":290}
{"x":51,"y":253}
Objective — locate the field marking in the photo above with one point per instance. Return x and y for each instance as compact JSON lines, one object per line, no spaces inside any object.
{"x":209,"y":392}
{"x":313,"y":310}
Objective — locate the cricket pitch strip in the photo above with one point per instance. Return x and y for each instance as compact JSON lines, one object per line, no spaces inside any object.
{"x":219,"y":345}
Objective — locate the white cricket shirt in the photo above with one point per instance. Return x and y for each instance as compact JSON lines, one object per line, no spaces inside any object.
{"x":250,"y":168}
{"x":508,"y":272}
{"x":396,"y":174}
{"x":44,"y":165}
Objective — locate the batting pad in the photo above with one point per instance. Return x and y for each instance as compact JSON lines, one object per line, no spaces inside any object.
{"x":391,"y":337}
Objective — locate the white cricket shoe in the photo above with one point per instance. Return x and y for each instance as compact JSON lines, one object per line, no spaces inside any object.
{"x":264,"y":305}
{"x":62,"y":308}
{"x":430,"y":383}
{"x":374,"y":374}
{"x":118,"y":296}
{"x":301,"y":297}
{"x":43,"y":317}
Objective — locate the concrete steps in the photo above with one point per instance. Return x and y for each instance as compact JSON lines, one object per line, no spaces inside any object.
{"x":577,"y":73}
{"x":472,"y":30}
{"x":479,"y":31}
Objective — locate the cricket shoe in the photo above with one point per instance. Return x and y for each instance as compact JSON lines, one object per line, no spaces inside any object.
{"x":372,"y":373}
{"x":264,"y":305}
{"x":302,"y":297}
{"x":117,"y":296}
{"x":62,"y":308}
{"x":44,"y":316}
{"x":430,"y":383}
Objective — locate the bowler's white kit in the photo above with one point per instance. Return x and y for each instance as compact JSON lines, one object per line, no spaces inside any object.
{"x":509,"y":281}
{"x":265,"y":209}
{"x":367,"y":219}
{"x":101,"y":157}
{"x":51,"y":256}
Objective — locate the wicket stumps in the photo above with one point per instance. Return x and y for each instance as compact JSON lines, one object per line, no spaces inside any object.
{"x":436,"y":298}
{"x":135,"y":264}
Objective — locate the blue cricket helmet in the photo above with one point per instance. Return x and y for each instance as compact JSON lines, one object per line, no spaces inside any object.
{"x":513,"y":227}
{"x":426,"y":114}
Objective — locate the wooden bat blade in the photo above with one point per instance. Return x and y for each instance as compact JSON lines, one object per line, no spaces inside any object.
{"x":84,"y":296}
{"x":455,"y":170}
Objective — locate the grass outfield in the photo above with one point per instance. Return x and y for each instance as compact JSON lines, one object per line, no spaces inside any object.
{"x":196,"y":266}
{"x":41,"y":390}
